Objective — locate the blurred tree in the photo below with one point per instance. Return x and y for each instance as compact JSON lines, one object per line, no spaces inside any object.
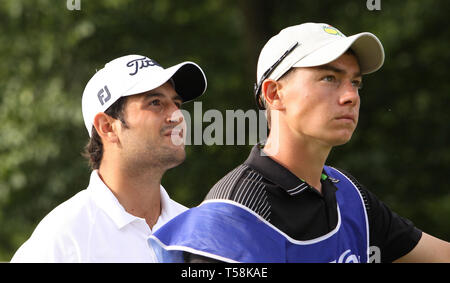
{"x":49,"y":53}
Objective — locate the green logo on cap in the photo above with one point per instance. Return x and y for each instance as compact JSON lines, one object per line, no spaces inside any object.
{"x":332,"y":30}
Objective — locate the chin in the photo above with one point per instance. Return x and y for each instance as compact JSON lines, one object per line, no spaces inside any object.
{"x":175,"y":159}
{"x":341,"y":136}
{"x":341,"y":140}
{"x":175,"y":154}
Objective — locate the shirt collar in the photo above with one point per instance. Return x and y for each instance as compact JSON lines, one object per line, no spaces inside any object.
{"x":276,"y":173}
{"x":108,"y":202}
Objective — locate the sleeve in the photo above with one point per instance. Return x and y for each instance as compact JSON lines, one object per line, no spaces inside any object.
{"x":395,"y":236}
{"x":42,"y":251}
{"x":47,"y":244}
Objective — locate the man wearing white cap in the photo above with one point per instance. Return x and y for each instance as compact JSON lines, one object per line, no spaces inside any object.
{"x":131,"y":112}
{"x":283,"y":204}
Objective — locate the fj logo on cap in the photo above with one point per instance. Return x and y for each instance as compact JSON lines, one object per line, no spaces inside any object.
{"x":140,"y":63}
{"x":102,"y":97}
{"x":332,"y":30}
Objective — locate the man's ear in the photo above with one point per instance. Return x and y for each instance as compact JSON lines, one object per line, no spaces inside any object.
{"x":270,"y":90}
{"x":104,"y":124}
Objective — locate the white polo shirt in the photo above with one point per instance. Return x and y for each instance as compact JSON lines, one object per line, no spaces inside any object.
{"x":93,"y":226}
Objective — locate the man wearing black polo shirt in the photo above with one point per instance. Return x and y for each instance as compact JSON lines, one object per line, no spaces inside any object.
{"x":283,"y":204}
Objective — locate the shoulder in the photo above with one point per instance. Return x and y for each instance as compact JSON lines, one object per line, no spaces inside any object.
{"x":245,"y":186}
{"x":225,"y":187}
{"x":76,"y":210}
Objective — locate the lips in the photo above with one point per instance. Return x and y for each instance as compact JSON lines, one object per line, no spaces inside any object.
{"x":174,"y":132}
{"x":347,"y":117}
{"x":175,"y":135}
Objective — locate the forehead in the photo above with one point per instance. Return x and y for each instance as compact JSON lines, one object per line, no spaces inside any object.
{"x":347,"y":63}
{"x":165,"y":90}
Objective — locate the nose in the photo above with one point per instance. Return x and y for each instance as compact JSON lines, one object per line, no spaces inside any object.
{"x":176,"y":117}
{"x":350,"y":95}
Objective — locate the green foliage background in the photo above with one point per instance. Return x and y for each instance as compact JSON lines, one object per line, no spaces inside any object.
{"x":48,"y":53}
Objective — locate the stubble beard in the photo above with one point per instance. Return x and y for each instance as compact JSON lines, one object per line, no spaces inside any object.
{"x":168,"y":157}
{"x":155,"y":157}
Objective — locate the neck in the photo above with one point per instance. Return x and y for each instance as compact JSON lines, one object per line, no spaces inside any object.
{"x":303,"y":156}
{"x":138,"y":191}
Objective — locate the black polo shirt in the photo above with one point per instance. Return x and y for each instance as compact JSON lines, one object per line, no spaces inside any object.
{"x":300,"y":211}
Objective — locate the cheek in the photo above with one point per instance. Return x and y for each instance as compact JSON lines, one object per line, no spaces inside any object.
{"x":310,"y":118}
{"x":144,"y":131}
{"x":307,"y":106}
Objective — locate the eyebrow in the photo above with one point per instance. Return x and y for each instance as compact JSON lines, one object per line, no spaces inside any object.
{"x":332,"y":68}
{"x":157,"y":94}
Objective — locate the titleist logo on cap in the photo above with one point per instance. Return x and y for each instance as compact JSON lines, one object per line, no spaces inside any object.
{"x":140,"y":63}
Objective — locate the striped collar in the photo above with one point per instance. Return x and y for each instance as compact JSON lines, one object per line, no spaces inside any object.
{"x":281,"y":176}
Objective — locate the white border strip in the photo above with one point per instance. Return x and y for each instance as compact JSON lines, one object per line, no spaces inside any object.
{"x":191,"y":250}
{"x":364,"y":208}
{"x":308,"y":242}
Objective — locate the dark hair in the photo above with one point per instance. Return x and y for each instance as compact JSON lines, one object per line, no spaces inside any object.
{"x":93,"y":151}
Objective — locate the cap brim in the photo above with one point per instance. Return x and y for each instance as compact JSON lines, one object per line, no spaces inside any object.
{"x":189,"y":78}
{"x":190,"y":81}
{"x":366,"y":46}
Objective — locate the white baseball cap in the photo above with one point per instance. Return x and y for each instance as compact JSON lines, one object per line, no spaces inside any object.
{"x":134,"y":74}
{"x":314,"y":44}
